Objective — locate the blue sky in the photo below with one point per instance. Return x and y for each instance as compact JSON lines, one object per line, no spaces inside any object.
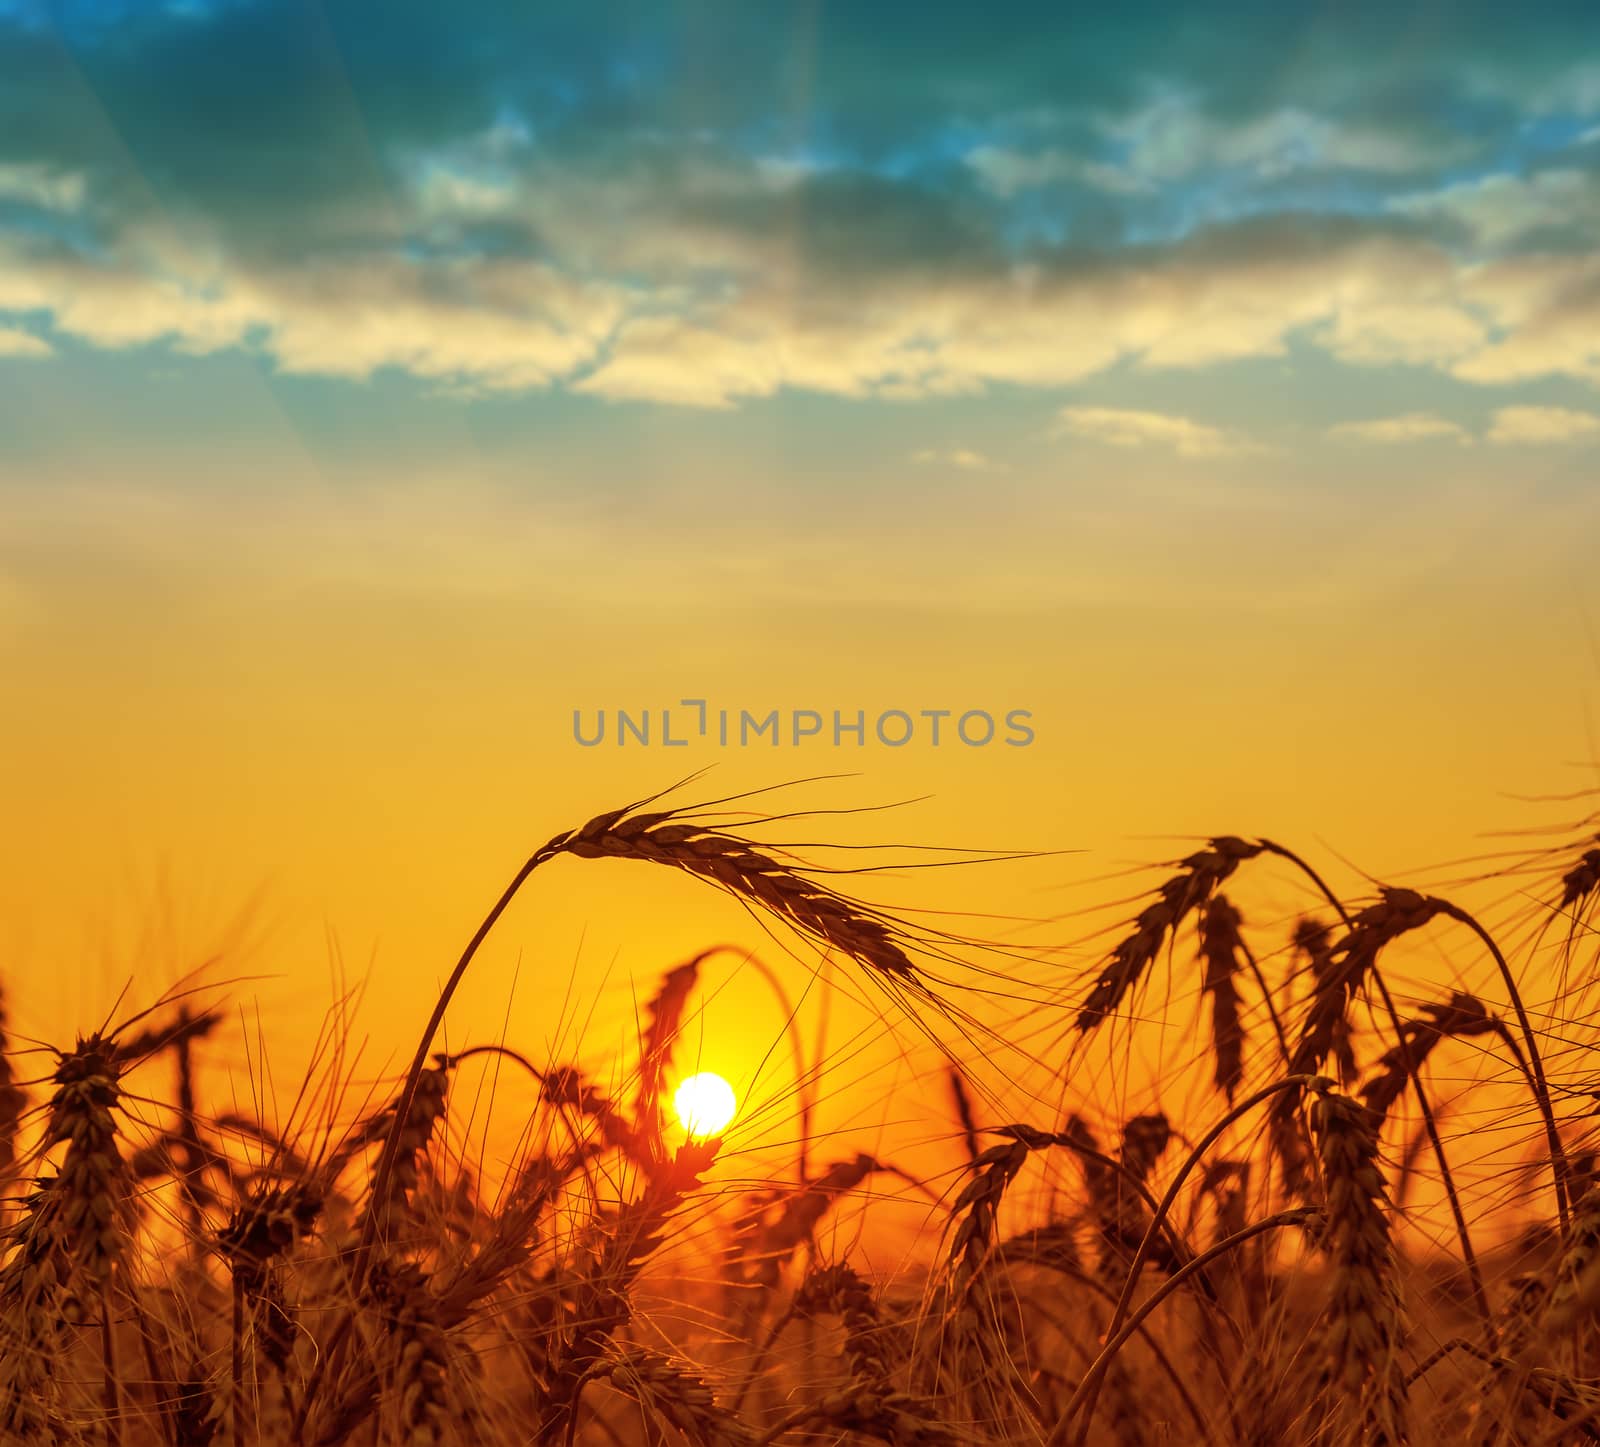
{"x":705,"y":205}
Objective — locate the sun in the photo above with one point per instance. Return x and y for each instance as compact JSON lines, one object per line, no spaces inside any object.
{"x":705,"y":1104}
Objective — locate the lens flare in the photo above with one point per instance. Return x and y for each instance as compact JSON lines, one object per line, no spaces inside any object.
{"x":705,"y":1104}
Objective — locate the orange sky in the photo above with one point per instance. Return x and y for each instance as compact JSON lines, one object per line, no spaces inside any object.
{"x":1222,"y":396}
{"x":367,"y":741}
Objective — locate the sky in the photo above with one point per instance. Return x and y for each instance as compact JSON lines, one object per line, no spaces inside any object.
{"x":1219,"y":384}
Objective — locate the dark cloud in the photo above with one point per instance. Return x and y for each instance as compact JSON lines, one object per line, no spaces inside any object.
{"x":308,"y":101}
{"x":511,"y":193}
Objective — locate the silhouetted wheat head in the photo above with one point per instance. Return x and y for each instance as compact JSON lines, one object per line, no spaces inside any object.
{"x":1335,"y":1185}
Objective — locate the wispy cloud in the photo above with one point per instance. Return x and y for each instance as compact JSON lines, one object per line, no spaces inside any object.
{"x":1408,"y":427}
{"x":1546,"y":307}
{"x":1175,"y":137}
{"x":700,"y":289}
{"x":22,"y":344}
{"x":1008,"y":172}
{"x":1572,"y":88}
{"x":1122,"y":427}
{"x":34,"y":184}
{"x":1500,"y":210}
{"x":507,"y":324}
{"x":1542,"y":426}
{"x":965,"y":458}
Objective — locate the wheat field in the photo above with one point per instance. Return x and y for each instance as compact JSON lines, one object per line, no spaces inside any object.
{"x":1363,"y":1208}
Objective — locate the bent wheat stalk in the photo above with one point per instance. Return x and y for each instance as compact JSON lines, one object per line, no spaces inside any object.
{"x":667,"y":1391}
{"x":1083,"y":1399}
{"x":1198,"y":878}
{"x":666,"y":837}
{"x":1559,"y":1169}
{"x":976,"y":1208}
{"x":1366,"y":933}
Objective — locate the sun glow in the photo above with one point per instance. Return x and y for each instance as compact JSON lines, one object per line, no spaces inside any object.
{"x":705,"y":1104}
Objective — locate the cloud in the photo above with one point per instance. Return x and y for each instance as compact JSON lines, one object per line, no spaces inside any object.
{"x":1175,"y":137}
{"x":964,"y":458}
{"x":797,"y":312}
{"x":1575,"y":89}
{"x":1007,"y":172}
{"x":1409,"y":427}
{"x":1145,"y":152}
{"x":22,"y":344}
{"x":665,"y":359}
{"x":881,"y":73}
{"x":1501,"y":210}
{"x":1384,"y":328}
{"x":701,"y":286}
{"x":503,"y":199}
{"x":42,"y":186}
{"x":1545,"y":309}
{"x":1120,"y":427}
{"x":1541,"y":426}
{"x":260,"y":117}
{"x":633,"y":262}
{"x":506,"y":324}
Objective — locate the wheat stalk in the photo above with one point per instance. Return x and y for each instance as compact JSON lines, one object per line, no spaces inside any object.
{"x":977,"y":1208}
{"x":600,"y":1301}
{"x":777,"y":1234}
{"x":1575,"y":1283}
{"x":266,"y":1226}
{"x":665,"y":1010}
{"x":1118,"y":1194}
{"x":1580,"y":882}
{"x":840,"y":1290}
{"x":71,"y":1244}
{"x":1340,"y":975}
{"x":414,"y":1129}
{"x":892,"y":1417}
{"x":1364,"y":1332}
{"x":671,"y":1392}
{"x":1081,"y":1407}
{"x":668,"y":838}
{"x":1462,"y":1016}
{"x":1199,"y":875}
{"x":1145,"y":1139}
{"x":1314,"y":938}
{"x":98,"y":1256}
{"x":13,"y":1099}
{"x":1117,"y":1190}
{"x":963,"y":1103}
{"x":421,"y":1356}
{"x":1220,"y":947}
{"x":736,"y":865}
{"x":1125,"y":1324}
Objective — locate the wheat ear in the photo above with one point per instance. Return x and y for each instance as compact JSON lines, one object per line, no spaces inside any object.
{"x":601,"y":1303}
{"x":1365,"y":1330}
{"x":1198,"y":877}
{"x":13,"y":1099}
{"x":666,"y":837}
{"x":72,"y":1241}
{"x":668,"y":1391}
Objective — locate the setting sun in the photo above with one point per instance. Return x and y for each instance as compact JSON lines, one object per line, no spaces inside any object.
{"x":705,"y":1104}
